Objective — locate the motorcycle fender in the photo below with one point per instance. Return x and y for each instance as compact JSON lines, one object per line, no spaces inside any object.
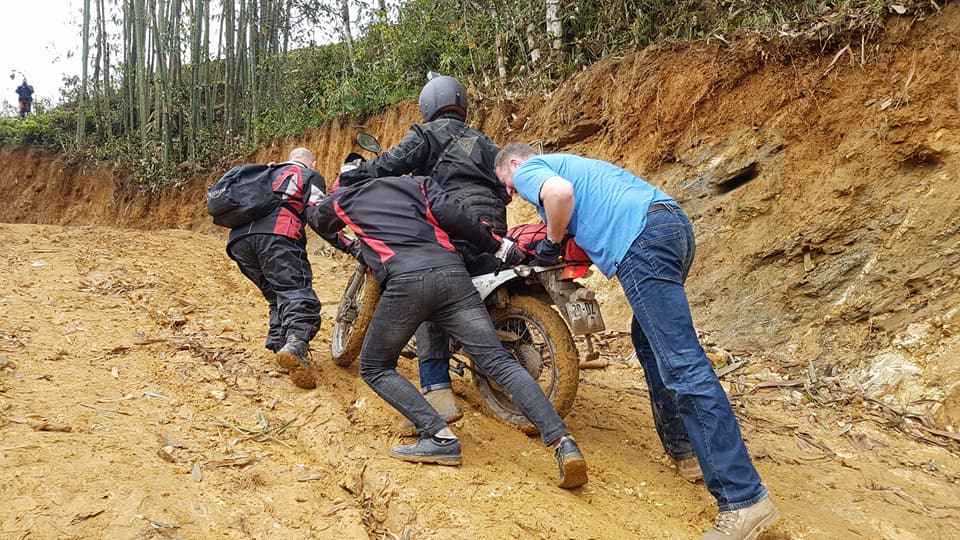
{"x":487,"y":283}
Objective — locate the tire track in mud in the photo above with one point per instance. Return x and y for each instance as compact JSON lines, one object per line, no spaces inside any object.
{"x":148,"y":346}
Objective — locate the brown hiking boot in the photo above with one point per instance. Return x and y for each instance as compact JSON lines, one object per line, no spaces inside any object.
{"x":744,"y":524}
{"x":443,"y":402}
{"x":295,"y":356}
{"x":689,"y":469}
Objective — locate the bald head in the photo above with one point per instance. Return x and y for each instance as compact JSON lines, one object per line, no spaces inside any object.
{"x":302,"y":155}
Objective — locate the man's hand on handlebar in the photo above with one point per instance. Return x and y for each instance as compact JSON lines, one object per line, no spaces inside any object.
{"x":546,"y":253}
{"x":510,"y":253}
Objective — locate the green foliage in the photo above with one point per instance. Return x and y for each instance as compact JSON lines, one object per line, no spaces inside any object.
{"x":48,"y":130}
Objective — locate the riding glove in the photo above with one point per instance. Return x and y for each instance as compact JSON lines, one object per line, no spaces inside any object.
{"x":546,"y":253}
{"x":510,"y":253}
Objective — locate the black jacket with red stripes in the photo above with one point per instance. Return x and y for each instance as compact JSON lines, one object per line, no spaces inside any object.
{"x":406,"y":223}
{"x":299,"y":187}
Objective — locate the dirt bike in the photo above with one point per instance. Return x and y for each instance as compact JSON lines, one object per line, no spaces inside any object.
{"x":521,"y":302}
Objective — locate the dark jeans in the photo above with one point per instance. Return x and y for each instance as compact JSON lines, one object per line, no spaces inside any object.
{"x":433,"y":344}
{"x":690,"y":408}
{"x":278,"y":266}
{"x":446,"y":297}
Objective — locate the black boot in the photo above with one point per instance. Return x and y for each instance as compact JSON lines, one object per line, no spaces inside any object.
{"x":295,"y":356}
{"x":573,"y":467}
{"x":430,"y":450}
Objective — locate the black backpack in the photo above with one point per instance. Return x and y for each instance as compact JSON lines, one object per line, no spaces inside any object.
{"x":243,"y":195}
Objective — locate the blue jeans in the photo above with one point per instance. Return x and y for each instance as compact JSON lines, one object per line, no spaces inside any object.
{"x":690,"y":408}
{"x":433,"y":352}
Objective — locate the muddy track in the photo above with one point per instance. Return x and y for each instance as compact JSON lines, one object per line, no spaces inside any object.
{"x":147,"y":347}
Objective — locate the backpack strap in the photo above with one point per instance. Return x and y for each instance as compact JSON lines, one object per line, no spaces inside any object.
{"x":446,"y":149}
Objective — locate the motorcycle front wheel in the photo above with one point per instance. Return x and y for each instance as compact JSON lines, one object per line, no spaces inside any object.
{"x":539,"y":338}
{"x":354,"y":313}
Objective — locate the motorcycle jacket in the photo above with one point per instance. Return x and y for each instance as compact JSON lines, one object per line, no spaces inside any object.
{"x":300,"y":188}
{"x":404,"y":224}
{"x":459,"y":158}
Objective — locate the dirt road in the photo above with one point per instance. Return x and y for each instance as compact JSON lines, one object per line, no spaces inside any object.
{"x":146,"y":347}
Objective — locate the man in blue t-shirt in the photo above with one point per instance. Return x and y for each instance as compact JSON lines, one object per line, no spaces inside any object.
{"x":634,"y":231}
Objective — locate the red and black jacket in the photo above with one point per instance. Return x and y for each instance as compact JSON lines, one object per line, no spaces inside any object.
{"x":299,"y":188}
{"x":405,"y":224}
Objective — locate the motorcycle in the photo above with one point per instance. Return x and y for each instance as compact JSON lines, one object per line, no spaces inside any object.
{"x":536,"y":311}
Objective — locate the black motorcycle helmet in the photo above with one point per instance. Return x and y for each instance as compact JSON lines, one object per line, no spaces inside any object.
{"x":442,"y":94}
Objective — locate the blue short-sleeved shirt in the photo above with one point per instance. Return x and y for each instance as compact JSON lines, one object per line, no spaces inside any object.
{"x":610,"y":208}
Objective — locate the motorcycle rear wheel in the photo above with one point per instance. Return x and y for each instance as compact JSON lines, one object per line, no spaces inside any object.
{"x":359,"y":300}
{"x":541,"y":329}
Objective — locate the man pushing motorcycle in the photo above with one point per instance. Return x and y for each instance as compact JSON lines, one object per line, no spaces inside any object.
{"x":633,"y":230}
{"x":407,"y":227}
{"x":460,"y":160}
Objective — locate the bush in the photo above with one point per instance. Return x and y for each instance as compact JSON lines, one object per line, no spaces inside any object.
{"x":52,"y":130}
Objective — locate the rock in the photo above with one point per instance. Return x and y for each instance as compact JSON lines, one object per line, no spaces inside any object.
{"x":218,"y":394}
{"x":913,"y":337}
{"x":886,"y":373}
{"x":166,"y":454}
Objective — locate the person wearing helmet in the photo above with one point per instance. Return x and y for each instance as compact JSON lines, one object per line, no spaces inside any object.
{"x":460,"y":159}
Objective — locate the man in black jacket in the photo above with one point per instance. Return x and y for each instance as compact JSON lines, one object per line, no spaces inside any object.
{"x":272,"y":253}
{"x":407,"y":228}
{"x":460,"y":159}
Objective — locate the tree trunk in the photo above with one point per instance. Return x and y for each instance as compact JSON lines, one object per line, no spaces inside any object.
{"x":229,"y":24}
{"x":347,"y":34}
{"x":286,"y":29}
{"x":195,"y":14}
{"x":498,"y":42}
{"x":254,"y":63}
{"x":105,"y":44}
{"x":532,"y":45}
{"x":554,"y":25}
{"x":85,"y":56}
{"x":207,"y":86}
{"x":140,"y":30}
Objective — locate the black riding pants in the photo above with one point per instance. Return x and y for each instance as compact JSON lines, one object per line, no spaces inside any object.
{"x":279,"y":267}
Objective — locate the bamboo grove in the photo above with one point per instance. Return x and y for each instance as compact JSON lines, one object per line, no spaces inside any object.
{"x":173,"y":86}
{"x":184,"y":75}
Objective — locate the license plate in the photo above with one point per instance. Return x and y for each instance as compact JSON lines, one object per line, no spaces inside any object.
{"x":584,"y":317}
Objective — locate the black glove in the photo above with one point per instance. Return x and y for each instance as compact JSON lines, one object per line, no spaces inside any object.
{"x":510,"y":254}
{"x":546,"y":253}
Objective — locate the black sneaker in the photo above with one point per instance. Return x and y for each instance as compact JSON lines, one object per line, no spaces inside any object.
{"x":429,"y":450}
{"x":573,"y":467}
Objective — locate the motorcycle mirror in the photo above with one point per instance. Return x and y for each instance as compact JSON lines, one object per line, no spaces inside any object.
{"x":369,"y":143}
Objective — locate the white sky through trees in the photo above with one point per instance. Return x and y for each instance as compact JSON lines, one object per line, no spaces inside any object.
{"x":40,"y":38}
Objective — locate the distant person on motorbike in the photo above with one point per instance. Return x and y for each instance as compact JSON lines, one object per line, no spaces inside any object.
{"x":25,"y":95}
{"x":407,"y":227}
{"x":460,"y":160}
{"x":634,"y":231}
{"x":272,"y":253}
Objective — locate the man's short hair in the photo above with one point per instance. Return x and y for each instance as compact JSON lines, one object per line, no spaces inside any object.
{"x":513,"y":150}
{"x":302,"y":155}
